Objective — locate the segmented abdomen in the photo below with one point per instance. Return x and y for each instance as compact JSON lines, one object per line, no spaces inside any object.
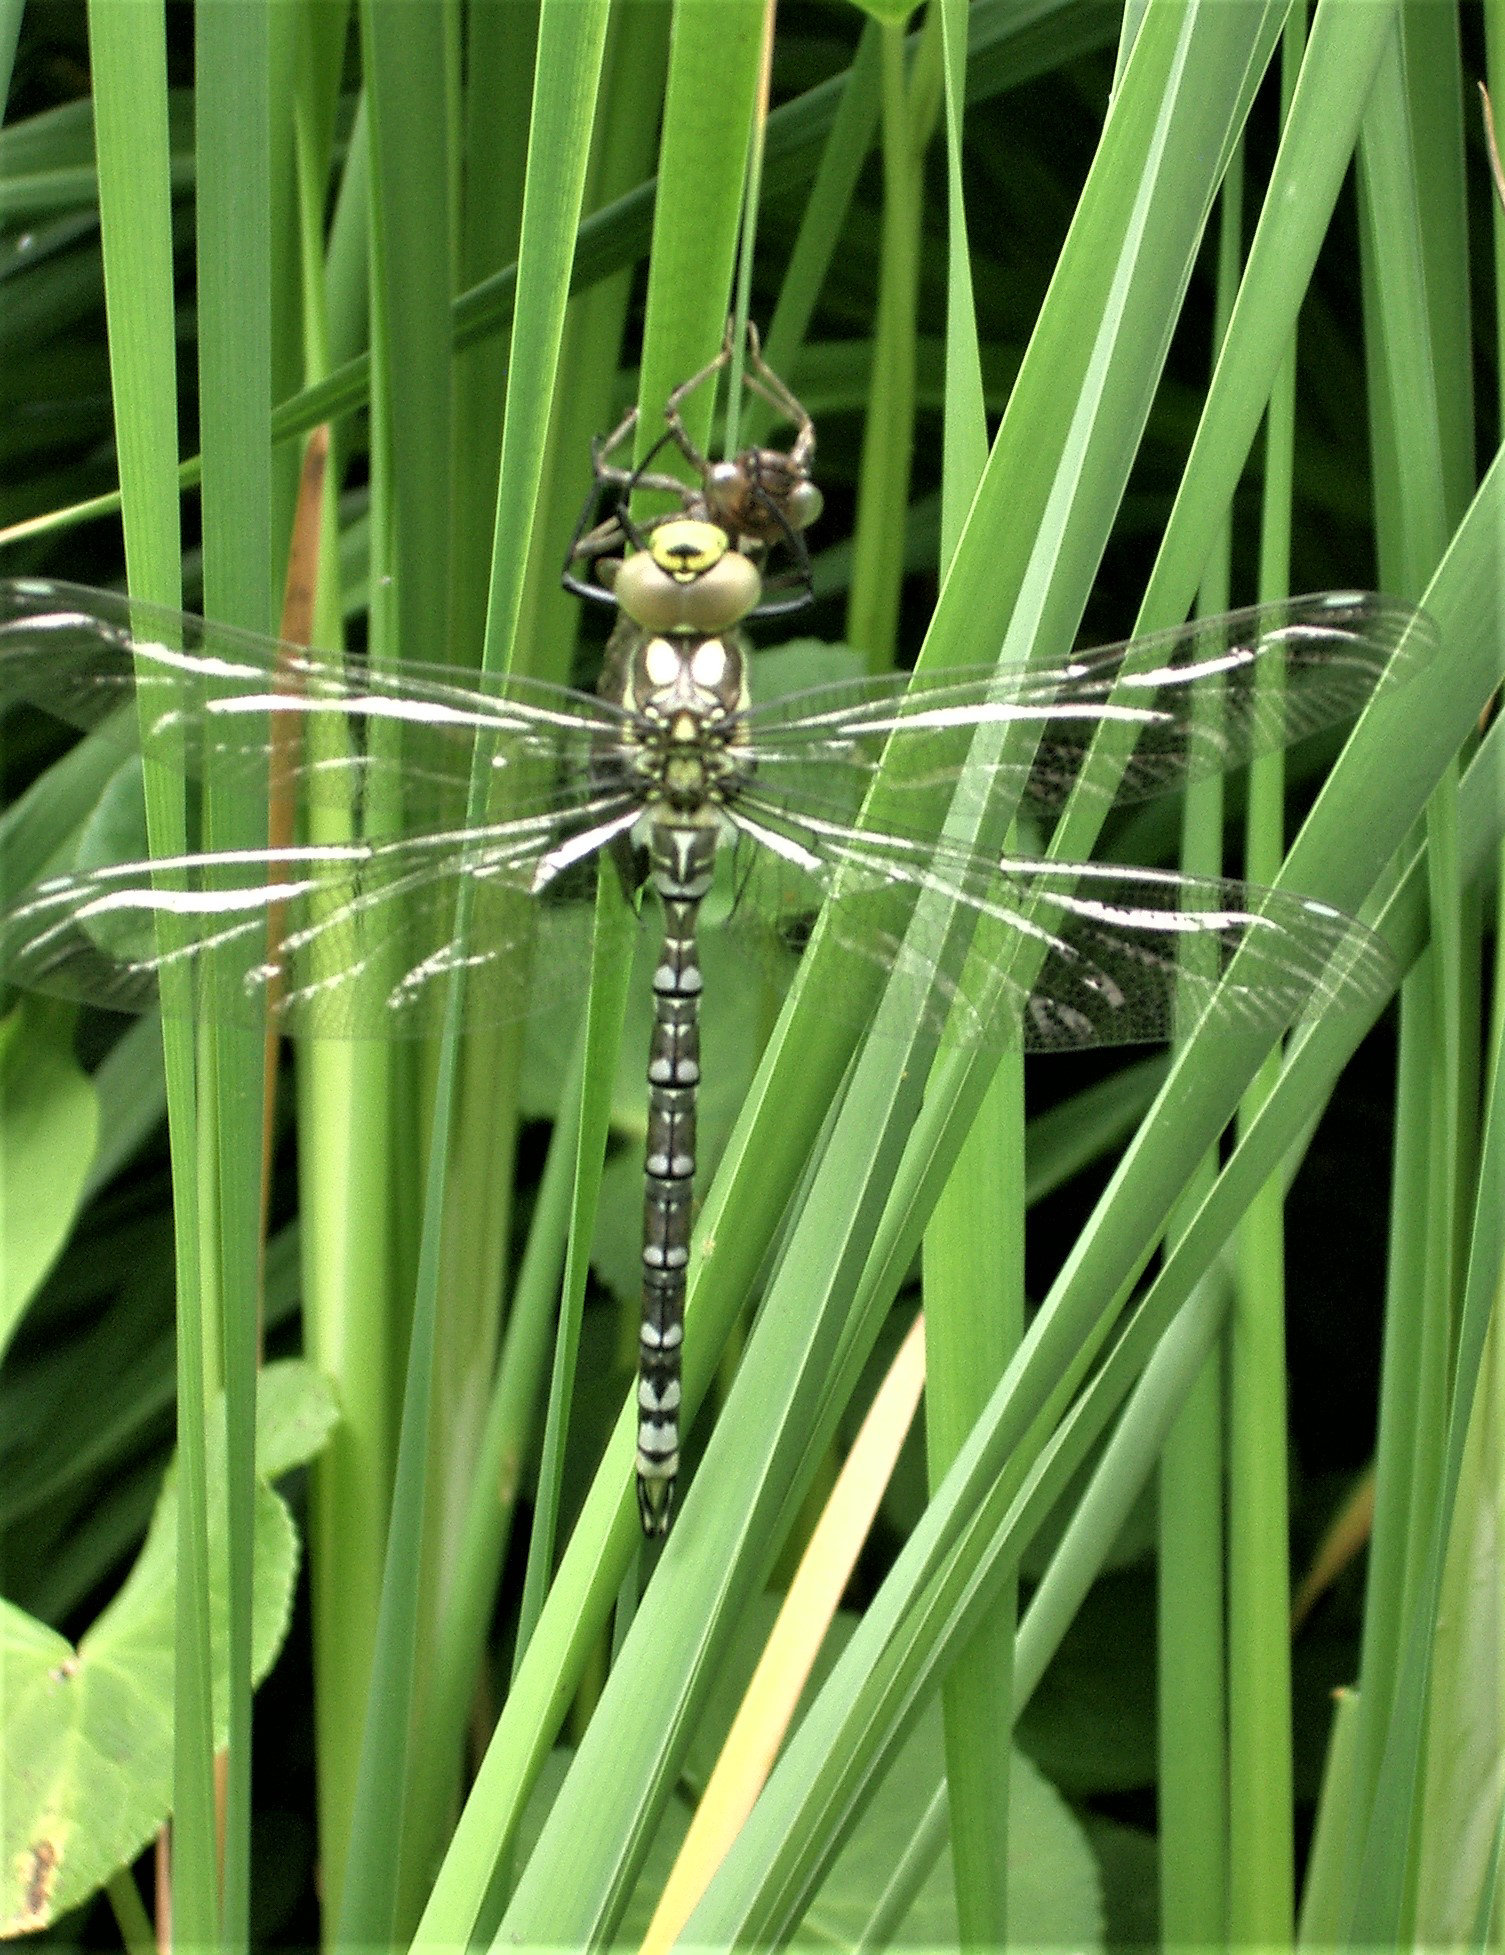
{"x":681,"y":862}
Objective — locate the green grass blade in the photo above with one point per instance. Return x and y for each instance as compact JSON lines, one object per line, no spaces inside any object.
{"x":10,"y":30}
{"x":1315,"y":150}
{"x":1192,"y":1785}
{"x":826,"y":210}
{"x":570,"y":45}
{"x":506,"y":1445}
{"x":611,"y":965}
{"x":233,"y":221}
{"x":129,"y":86}
{"x":1261,"y":1846}
{"x":974,"y":1247}
{"x":911,"y":93}
{"x":1457,"y":1609}
{"x":133,"y":160}
{"x":1416,"y":280}
{"x":404,"y":65}
{"x":708,"y":107}
{"x":345,"y":1122}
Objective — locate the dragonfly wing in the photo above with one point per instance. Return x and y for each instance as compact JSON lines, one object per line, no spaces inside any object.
{"x":344,"y":940}
{"x":1055,"y":956}
{"x":344,"y":732}
{"x":1181,"y":705}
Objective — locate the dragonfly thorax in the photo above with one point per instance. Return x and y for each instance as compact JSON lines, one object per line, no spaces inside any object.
{"x":687,"y":696}
{"x":671,"y":675}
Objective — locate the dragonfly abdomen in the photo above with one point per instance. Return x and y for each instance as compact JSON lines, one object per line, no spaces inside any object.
{"x":681,"y":862}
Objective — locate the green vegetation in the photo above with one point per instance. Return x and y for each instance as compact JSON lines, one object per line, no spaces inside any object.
{"x":1102,"y":315}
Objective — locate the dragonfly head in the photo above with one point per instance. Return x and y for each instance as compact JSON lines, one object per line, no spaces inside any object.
{"x":688,"y":579}
{"x":762,"y":494}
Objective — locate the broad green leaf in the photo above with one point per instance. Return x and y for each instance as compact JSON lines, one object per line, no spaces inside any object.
{"x":87,"y":1731}
{"x":1055,"y":1898}
{"x":116,"y":828}
{"x":49,"y":1123}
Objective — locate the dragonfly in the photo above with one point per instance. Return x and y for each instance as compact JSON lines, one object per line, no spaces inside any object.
{"x":672,"y":770}
{"x":672,"y":764}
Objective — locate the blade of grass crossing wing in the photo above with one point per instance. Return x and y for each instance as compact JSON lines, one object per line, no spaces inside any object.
{"x":570,"y":48}
{"x":129,"y":61}
{"x":345,"y":1160}
{"x":1261,"y":1889}
{"x":571,"y":41}
{"x":570,"y":55}
{"x":1413,"y":274}
{"x":500,"y":59}
{"x":1191,"y":1707}
{"x":974,"y":1245}
{"x":406,"y":82}
{"x":484,"y":192}
{"x":233,"y":237}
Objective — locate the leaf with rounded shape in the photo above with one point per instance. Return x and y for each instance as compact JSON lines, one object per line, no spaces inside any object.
{"x":86,"y":1732}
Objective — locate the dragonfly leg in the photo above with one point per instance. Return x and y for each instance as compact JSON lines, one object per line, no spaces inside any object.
{"x":676,"y":400}
{"x":761,"y":379}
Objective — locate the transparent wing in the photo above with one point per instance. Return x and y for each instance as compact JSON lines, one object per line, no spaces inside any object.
{"x":1193,"y":701}
{"x":346,"y":940}
{"x":345,"y":732}
{"x":1051,"y":956}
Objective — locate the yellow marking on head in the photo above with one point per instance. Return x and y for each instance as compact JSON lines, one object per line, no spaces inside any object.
{"x":686,"y":548}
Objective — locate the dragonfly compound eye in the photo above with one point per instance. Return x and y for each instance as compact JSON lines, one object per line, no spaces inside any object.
{"x":689,"y":579}
{"x":804,"y":505}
